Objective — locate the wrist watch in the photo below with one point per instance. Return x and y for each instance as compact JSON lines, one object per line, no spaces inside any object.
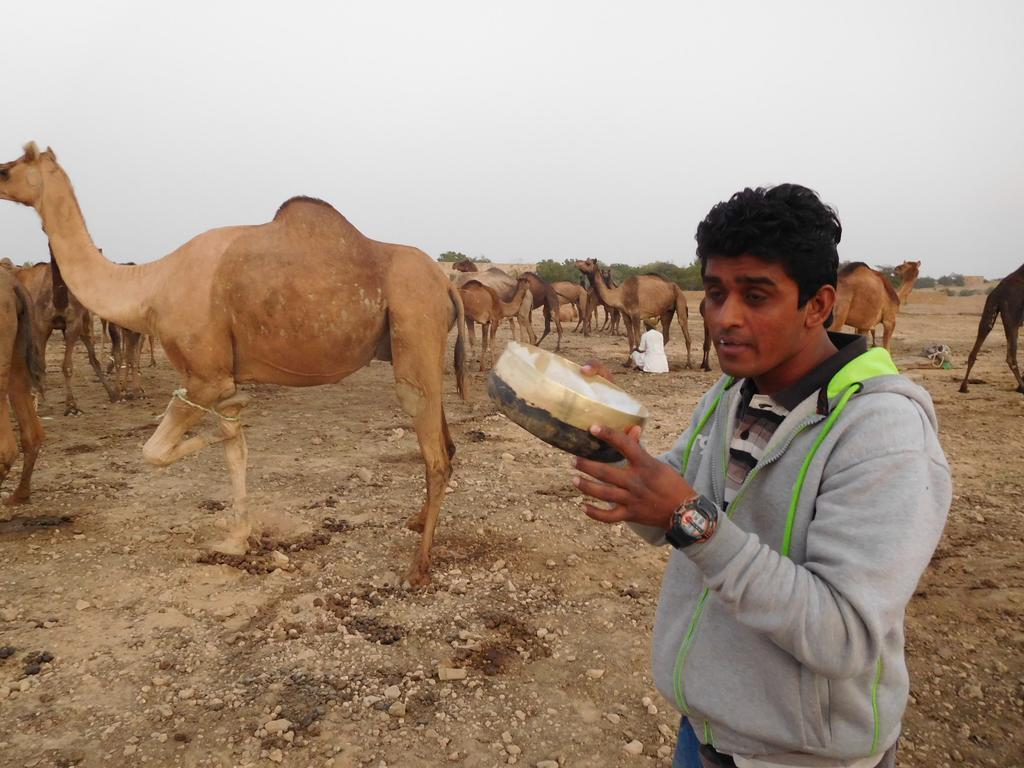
{"x":695,"y":520}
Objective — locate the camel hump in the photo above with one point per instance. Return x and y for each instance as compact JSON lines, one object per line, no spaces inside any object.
{"x":852,"y":267}
{"x":472,"y":284}
{"x":886,"y":283}
{"x":300,"y":202}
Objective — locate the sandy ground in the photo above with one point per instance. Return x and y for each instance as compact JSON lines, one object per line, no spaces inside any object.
{"x":125,"y":650}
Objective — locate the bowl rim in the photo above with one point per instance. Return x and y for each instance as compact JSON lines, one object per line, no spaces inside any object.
{"x":561,"y":401}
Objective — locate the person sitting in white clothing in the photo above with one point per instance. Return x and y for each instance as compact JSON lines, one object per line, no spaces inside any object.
{"x":649,"y":356}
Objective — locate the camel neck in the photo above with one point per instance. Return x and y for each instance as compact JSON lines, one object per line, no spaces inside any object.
{"x":608,"y":296}
{"x":517,"y":299}
{"x":110,"y":290}
{"x":905,"y":289}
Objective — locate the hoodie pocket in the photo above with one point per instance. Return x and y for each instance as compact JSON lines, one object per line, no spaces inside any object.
{"x":814,"y":695}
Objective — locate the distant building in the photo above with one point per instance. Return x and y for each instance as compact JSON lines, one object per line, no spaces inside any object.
{"x":974,"y":281}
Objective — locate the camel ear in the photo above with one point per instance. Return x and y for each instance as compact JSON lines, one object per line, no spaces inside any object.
{"x":31,"y":151}
{"x":51,"y":153}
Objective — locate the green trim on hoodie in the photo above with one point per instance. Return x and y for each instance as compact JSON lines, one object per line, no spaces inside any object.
{"x":874,"y":362}
{"x":874,"y":706}
{"x":791,"y":514}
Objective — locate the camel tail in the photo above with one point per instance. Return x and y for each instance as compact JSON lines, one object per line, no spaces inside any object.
{"x":461,"y":382}
{"x":25,"y":343}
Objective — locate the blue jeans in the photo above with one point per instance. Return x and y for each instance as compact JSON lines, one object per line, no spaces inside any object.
{"x":687,"y":747}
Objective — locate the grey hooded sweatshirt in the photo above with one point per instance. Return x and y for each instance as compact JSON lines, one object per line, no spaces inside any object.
{"x":782,"y":636}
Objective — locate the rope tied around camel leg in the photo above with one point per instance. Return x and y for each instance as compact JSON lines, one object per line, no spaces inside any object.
{"x":182,"y":394}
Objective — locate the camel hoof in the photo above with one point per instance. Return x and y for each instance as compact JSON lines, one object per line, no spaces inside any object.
{"x":15,"y":500}
{"x":237,"y":539}
{"x":415,"y":524}
{"x":234,"y":544}
{"x":418,"y":578}
{"x":963,"y":387}
{"x":1021,"y":389}
{"x":72,"y":410}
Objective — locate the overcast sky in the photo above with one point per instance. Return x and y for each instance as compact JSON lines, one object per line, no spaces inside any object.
{"x":527,"y":130}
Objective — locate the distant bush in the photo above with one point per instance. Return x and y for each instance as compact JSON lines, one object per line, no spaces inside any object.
{"x":925,"y":282}
{"x":454,"y":256}
{"x":953,"y":278}
{"x":553,"y":272}
{"x":968,"y":292}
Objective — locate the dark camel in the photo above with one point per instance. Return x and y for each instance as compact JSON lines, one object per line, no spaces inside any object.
{"x":1006,"y":301}
{"x":545,"y":297}
{"x":55,"y":308}
{"x":21,"y":371}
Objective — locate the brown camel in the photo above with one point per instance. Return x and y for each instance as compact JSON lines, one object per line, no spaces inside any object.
{"x":643,"y":296}
{"x":1006,"y":301}
{"x":611,"y":314}
{"x":21,"y":371}
{"x":304,"y":299}
{"x":505,"y":286}
{"x":546,"y":299}
{"x":56,"y":308}
{"x":865,"y":298}
{"x":104,"y":332}
{"x":126,"y":360}
{"x":483,"y":305}
{"x":576,"y":295}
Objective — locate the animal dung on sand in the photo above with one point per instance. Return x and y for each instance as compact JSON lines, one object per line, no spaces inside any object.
{"x":550,"y":397}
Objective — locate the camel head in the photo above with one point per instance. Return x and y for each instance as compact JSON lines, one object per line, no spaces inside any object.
{"x":21,"y":180}
{"x":908,"y":270}
{"x":588,"y":266}
{"x":465,"y":265}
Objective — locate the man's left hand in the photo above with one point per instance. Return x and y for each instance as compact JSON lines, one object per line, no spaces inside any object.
{"x":647,"y":491}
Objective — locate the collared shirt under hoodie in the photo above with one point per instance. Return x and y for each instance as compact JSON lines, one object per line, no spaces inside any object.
{"x":758,"y":416}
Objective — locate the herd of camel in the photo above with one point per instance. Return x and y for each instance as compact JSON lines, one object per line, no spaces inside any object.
{"x":306,"y":299}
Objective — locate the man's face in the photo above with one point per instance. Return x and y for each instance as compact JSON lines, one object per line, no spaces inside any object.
{"x":755,"y":324}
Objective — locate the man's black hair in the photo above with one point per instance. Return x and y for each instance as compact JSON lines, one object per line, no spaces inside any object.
{"x":787,"y":225}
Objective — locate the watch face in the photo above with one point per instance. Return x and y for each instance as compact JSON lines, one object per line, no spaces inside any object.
{"x":694,"y":523}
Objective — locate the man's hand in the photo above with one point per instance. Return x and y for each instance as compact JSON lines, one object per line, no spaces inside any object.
{"x":596,"y":368}
{"x":647,"y":491}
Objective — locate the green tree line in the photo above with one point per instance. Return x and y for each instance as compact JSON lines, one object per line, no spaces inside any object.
{"x":688,"y":278}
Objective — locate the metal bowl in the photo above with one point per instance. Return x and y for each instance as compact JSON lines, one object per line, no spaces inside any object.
{"x":550,"y":398}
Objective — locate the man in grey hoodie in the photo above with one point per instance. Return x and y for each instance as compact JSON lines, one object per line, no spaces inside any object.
{"x":803,"y":501}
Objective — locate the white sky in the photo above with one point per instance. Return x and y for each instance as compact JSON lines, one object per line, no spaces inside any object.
{"x":527,"y":130}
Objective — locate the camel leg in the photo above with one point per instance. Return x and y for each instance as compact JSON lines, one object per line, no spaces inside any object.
{"x":29,"y":426}
{"x":1011,"y":352}
{"x":133,"y":360}
{"x":166,"y":446}
{"x":8,"y":442}
{"x":94,"y":362}
{"x":420,"y":396}
{"x":67,"y":368}
{"x":985,"y":325}
{"x":527,"y":320}
{"x":485,"y":329}
{"x":152,"y":356}
{"x":887,"y":329}
{"x":683,"y":320}
{"x":629,"y":340}
{"x":666,"y":325}
{"x":494,"y":339}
